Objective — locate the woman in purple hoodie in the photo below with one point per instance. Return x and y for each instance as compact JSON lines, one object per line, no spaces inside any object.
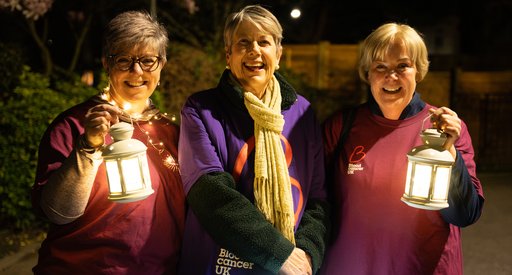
{"x":252,"y":163}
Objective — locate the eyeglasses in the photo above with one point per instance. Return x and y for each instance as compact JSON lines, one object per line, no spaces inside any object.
{"x":125,"y":62}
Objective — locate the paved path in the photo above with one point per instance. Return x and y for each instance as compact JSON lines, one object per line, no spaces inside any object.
{"x":487,"y":245}
{"x":20,"y":263}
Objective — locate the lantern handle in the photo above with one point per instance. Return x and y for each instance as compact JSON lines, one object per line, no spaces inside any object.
{"x":423,"y":123}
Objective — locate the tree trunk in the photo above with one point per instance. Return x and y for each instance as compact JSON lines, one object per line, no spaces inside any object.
{"x":79,"y":43}
{"x":46,"y":57}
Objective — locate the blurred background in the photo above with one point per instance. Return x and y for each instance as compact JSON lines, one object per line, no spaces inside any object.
{"x":50,"y":53}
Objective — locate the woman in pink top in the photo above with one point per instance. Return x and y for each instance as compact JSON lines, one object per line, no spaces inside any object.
{"x":376,"y":233}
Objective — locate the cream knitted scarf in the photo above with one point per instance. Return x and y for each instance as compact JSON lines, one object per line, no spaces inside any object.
{"x":272,"y":188}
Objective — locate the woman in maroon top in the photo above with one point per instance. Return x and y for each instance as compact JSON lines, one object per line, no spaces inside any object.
{"x":376,"y":233}
{"x":90,"y":234}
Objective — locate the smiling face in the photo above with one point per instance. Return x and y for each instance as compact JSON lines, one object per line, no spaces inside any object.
{"x":253,"y":57}
{"x":393,"y":80}
{"x":134,"y":86}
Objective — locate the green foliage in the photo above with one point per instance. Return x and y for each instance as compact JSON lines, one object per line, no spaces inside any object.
{"x":10,"y":68}
{"x":157,"y":99}
{"x":188,"y":70}
{"x":24,"y":116}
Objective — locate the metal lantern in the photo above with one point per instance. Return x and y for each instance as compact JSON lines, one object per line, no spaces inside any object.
{"x":428,"y":173}
{"x":127,"y":166}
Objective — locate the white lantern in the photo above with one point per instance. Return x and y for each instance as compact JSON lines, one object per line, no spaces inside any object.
{"x":127,"y":166}
{"x":428,"y":173}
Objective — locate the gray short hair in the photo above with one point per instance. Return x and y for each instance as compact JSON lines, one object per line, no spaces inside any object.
{"x":260,"y":17}
{"x":134,"y":29}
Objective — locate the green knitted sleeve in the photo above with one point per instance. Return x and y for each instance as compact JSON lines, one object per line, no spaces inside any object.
{"x":235,"y":223}
{"x":314,"y":229}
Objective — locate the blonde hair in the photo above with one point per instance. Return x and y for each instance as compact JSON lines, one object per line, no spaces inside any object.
{"x":376,"y":45}
{"x":133,"y":29}
{"x":257,"y":15}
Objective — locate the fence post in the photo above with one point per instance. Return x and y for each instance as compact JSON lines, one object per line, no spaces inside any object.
{"x":323,"y":65}
{"x":288,"y":56}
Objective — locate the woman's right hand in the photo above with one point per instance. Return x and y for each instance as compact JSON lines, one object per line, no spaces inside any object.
{"x":98,"y":121}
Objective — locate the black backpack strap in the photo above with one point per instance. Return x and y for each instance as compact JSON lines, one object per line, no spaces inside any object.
{"x":348,"y":119}
{"x":348,"y":116}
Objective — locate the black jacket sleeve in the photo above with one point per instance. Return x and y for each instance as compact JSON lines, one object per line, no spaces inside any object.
{"x":313,"y":231}
{"x":465,"y":203}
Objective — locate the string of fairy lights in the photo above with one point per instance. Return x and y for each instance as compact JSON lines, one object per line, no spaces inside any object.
{"x":168,"y":160}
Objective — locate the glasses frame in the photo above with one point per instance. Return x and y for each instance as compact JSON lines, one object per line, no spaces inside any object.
{"x":136,"y":60}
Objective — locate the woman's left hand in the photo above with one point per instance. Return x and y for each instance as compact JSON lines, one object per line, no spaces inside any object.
{"x":446,"y":121}
{"x":298,"y":263}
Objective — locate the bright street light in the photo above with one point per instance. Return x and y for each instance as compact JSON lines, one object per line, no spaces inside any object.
{"x":295,"y":13}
